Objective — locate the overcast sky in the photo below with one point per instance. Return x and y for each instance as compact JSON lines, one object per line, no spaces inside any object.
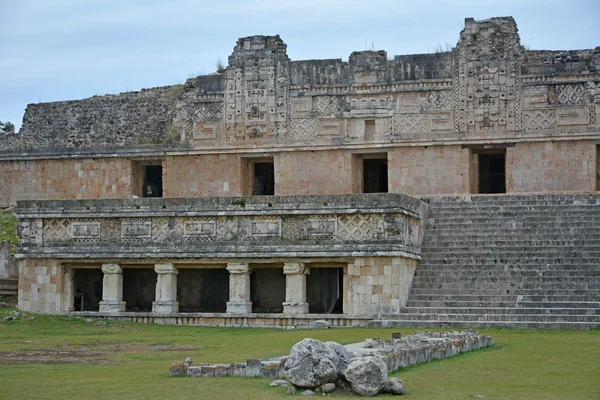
{"x":54,"y":50}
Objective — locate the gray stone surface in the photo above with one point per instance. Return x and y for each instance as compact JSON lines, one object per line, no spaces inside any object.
{"x":321,"y":324}
{"x":252,"y":367}
{"x":366,"y":375}
{"x":328,"y":388}
{"x":279,"y":382}
{"x":343,"y":357}
{"x":311,"y":364}
{"x":393,"y":386}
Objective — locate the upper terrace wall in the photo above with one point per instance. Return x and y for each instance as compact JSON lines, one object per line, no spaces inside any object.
{"x":487,"y":88}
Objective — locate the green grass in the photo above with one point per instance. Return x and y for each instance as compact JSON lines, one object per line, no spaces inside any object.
{"x":56,"y":357}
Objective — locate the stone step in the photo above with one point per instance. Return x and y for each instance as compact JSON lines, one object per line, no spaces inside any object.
{"x":519,"y":273}
{"x":555,"y":266}
{"x":510,"y":254}
{"x":9,"y":287}
{"x":440,"y":243}
{"x":577,"y":223}
{"x":482,"y":316}
{"x":500,"y":291}
{"x":512,"y":304}
{"x":461,"y":324}
{"x":500,"y":278}
{"x":511,"y":285}
{"x":507,"y":205}
{"x":557,"y":298}
{"x":502,"y":310}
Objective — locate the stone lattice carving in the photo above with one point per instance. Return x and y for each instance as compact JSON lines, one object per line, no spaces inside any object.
{"x":342,"y":227}
{"x":410,"y":124}
{"x":210,"y":111}
{"x":439,"y":100}
{"x":568,"y":95}
{"x":328,"y":106}
{"x":303,"y":128}
{"x":539,"y":119}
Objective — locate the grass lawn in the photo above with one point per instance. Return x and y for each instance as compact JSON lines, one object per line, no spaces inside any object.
{"x":55,"y":357}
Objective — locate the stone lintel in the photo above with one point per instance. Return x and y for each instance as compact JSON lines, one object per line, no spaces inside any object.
{"x":112,"y":269}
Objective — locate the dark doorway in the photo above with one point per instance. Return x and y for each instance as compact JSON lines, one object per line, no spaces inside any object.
{"x":203,"y":289}
{"x":88,"y":289}
{"x":324,"y":290}
{"x":375,"y":175}
{"x":492,"y":175}
{"x":139,"y":288}
{"x":267,"y":290}
{"x":152,"y":181}
{"x":264,"y":179}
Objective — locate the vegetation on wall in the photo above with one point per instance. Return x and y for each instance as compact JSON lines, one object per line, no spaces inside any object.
{"x":8,"y":228}
{"x":7,"y":127}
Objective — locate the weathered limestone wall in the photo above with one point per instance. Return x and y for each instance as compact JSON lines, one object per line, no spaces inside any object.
{"x":377,"y":285}
{"x":44,"y":286}
{"x":203,"y":176}
{"x":92,"y":178}
{"x":553,"y":167}
{"x":313,"y":172}
{"x":421,"y":171}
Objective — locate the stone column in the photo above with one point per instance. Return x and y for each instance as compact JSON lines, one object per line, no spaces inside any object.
{"x":112,"y":289}
{"x":166,"y":289}
{"x":239,"y":288}
{"x":295,"y":288}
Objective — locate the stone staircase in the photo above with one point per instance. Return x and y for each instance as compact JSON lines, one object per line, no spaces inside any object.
{"x":9,"y":287}
{"x":513,"y":261}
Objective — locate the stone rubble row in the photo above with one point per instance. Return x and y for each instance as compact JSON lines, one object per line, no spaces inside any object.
{"x":323,"y":367}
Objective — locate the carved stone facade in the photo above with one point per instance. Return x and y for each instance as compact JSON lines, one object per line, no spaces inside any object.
{"x":488,"y":116}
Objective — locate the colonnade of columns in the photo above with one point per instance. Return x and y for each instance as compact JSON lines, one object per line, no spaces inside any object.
{"x":239,"y":289}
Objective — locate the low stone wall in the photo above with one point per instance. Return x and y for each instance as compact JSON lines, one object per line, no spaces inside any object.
{"x":420,"y":347}
{"x":250,"y":320}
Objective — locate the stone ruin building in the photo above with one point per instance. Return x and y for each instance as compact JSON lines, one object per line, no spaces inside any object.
{"x":457,"y":188}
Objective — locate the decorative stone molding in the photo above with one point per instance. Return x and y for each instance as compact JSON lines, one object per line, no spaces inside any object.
{"x":316,"y":226}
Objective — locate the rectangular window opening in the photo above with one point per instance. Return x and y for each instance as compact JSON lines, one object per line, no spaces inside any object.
{"x":263,"y":182}
{"x":147,"y":178}
{"x":492,"y":172}
{"x":375,"y":174}
{"x":153,"y":181}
